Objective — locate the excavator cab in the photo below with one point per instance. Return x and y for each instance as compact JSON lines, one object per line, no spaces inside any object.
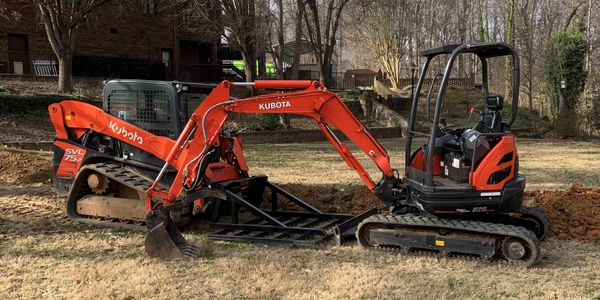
{"x":469,"y":170}
{"x":462,"y":189}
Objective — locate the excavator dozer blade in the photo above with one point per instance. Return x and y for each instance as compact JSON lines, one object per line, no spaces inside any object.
{"x":164,"y":239}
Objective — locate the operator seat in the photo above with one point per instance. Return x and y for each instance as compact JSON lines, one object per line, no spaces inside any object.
{"x":490,"y":121}
{"x":490,"y":118}
{"x":468,"y":142}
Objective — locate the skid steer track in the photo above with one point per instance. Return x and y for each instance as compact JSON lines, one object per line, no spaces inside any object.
{"x":490,"y":241}
{"x":124,"y":178}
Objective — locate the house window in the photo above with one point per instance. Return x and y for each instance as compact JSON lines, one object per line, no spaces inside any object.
{"x":148,"y":7}
{"x":18,"y":68}
{"x":166,"y":57}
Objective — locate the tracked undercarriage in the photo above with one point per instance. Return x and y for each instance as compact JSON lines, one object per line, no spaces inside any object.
{"x":108,"y":194}
{"x":489,"y":241}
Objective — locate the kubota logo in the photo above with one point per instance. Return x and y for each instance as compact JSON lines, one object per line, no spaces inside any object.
{"x":274,"y":105}
{"x":121,"y":130}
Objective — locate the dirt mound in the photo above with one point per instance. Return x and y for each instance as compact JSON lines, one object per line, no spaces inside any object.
{"x":574,"y":213}
{"x":337,"y":199}
{"x":23,"y":168}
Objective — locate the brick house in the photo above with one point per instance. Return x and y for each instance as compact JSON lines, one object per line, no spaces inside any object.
{"x":134,"y":40}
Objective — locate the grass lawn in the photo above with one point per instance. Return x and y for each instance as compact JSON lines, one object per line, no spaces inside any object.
{"x":44,"y":255}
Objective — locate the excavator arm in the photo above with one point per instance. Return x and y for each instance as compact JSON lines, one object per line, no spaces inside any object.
{"x":73,"y":119}
{"x":205,"y":124}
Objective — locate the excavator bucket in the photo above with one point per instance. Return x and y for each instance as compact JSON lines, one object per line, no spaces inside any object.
{"x":164,"y":239}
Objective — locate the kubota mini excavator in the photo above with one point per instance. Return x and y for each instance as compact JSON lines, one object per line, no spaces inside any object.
{"x":461,"y":192}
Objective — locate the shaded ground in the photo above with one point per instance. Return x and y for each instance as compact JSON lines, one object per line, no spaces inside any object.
{"x":24,"y":101}
{"x":14,"y":130}
{"x":44,"y":255}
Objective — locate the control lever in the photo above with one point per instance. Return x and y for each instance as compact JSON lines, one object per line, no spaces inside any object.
{"x":471,"y":111}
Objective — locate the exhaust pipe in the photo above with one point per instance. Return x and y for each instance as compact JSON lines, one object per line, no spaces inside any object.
{"x":164,"y":240}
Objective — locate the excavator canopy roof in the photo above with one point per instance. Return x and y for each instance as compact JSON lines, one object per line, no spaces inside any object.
{"x":484,"y":50}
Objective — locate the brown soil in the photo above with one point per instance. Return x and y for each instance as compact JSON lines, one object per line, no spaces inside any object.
{"x":336,"y":199}
{"x":24,"y":168}
{"x":574,"y":213}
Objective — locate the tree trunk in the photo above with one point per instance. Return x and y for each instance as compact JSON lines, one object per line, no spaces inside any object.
{"x":323,"y":74}
{"x":65,"y":72}
{"x":530,"y":96}
{"x":298,"y":39}
{"x":325,"y":68}
{"x":280,"y":40}
{"x":509,"y":37}
{"x":262,"y":65}
{"x":284,"y":119}
{"x":249,"y":66}
{"x":480,"y":20}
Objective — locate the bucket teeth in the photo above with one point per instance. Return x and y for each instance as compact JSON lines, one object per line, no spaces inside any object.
{"x":164,"y":239}
{"x":189,"y":251}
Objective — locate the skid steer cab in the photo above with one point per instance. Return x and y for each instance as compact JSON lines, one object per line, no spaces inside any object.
{"x":159,"y":107}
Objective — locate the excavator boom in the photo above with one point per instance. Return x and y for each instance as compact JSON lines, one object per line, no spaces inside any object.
{"x":206,"y":123}
{"x":203,"y":134}
{"x":315,"y":102}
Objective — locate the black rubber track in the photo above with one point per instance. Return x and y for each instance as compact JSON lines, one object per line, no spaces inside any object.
{"x":116,"y":173}
{"x":539,"y":217}
{"x":498,"y":231}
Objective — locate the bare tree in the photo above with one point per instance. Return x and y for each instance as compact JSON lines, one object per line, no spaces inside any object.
{"x":245,"y":28}
{"x":322,"y":18}
{"x":279,"y":54}
{"x":284,"y":55}
{"x":297,"y":39}
{"x":277,"y":48}
{"x":243,"y":23}
{"x":8,"y":12}
{"x":482,"y":23}
{"x":526,"y":33}
{"x":509,"y":37}
{"x":62,"y":20}
{"x":386,"y":35}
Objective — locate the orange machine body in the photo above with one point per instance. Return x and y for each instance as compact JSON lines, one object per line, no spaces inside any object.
{"x":203,"y":132}
{"x":501,"y":159}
